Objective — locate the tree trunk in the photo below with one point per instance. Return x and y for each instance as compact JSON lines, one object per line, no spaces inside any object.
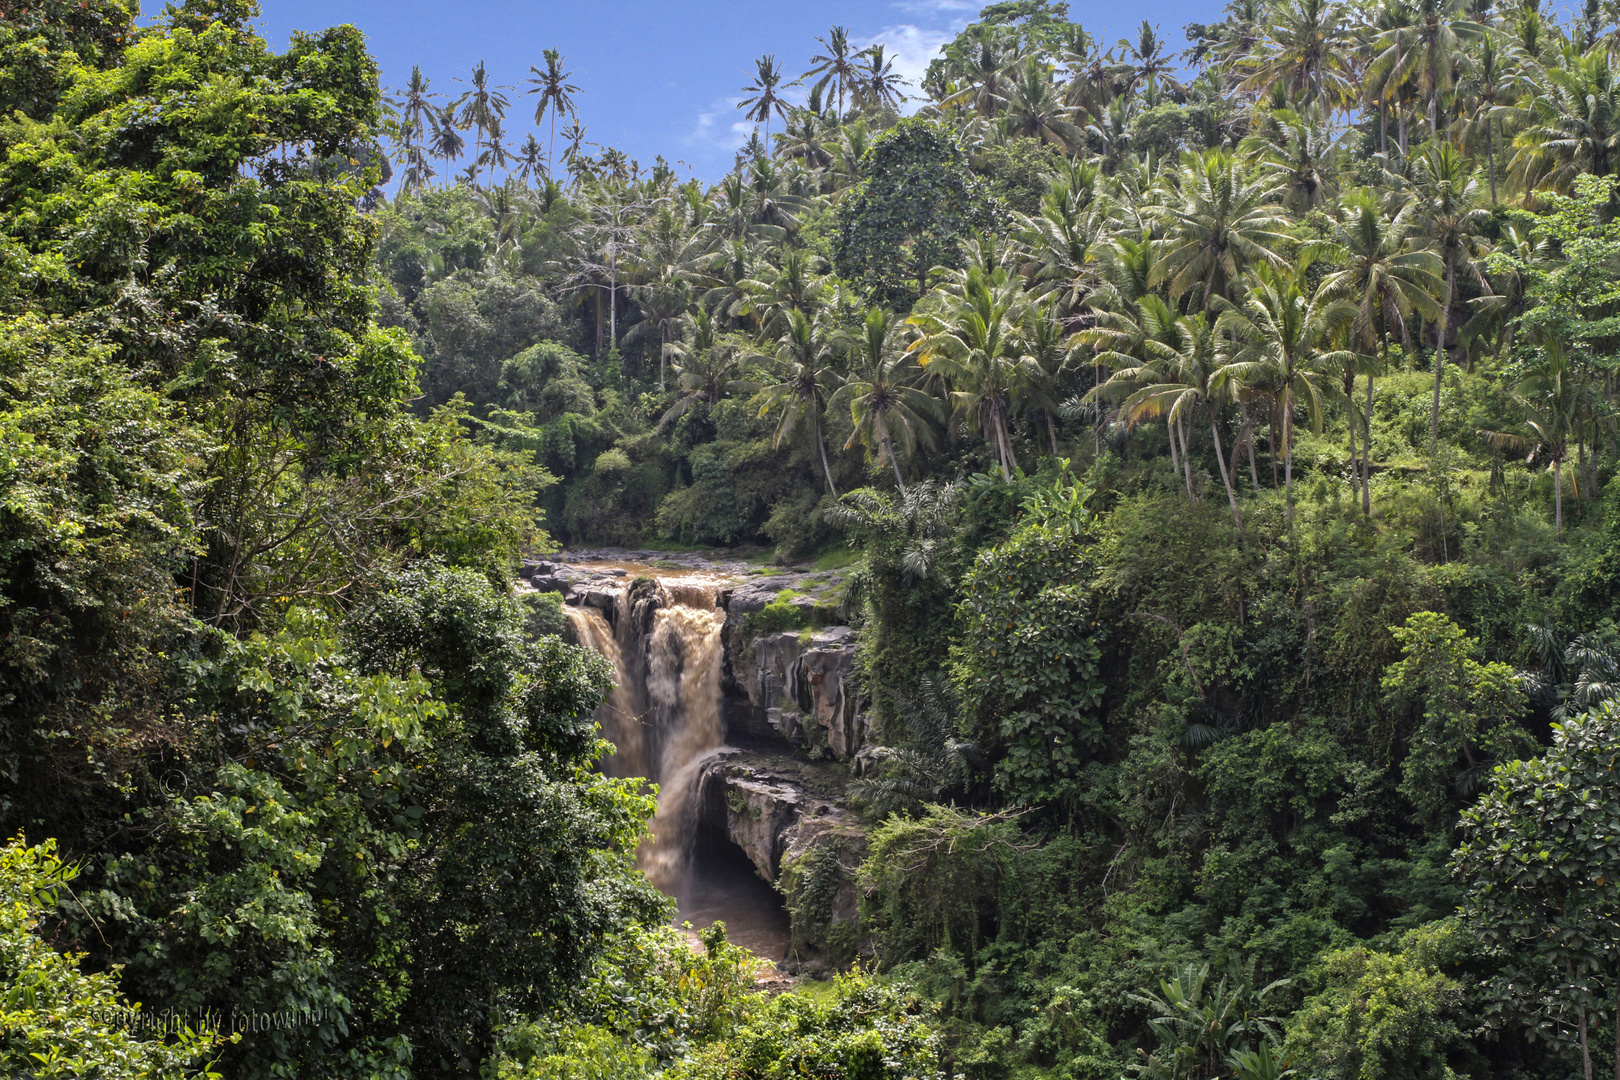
{"x":1272,"y":454}
{"x":1366,"y":452}
{"x":1009,"y":461}
{"x":1440,"y":357}
{"x":1231,"y":495}
{"x":1246,"y":437}
{"x":1175,"y":458}
{"x":1051,"y":431}
{"x":1558,"y":516}
{"x":1350,"y":407}
{"x":1288,"y":458}
{"x":821,"y":445}
{"x":1186,"y":459}
{"x":888,"y":448}
{"x":1490,"y":154}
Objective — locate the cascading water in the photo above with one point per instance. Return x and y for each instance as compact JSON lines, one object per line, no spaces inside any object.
{"x":683,"y":685}
{"x":664,"y":717}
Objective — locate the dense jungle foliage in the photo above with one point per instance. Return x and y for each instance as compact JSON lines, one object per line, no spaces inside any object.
{"x":1221,"y":444}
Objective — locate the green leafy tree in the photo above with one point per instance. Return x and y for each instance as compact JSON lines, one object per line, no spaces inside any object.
{"x":1470,"y":711}
{"x":915,"y":202}
{"x":60,"y":1023}
{"x":1539,"y":859}
{"x":1026,"y":661}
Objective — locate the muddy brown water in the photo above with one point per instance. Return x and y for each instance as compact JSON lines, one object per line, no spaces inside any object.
{"x":664,"y":716}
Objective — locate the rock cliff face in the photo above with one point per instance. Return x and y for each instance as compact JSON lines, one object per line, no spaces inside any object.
{"x":790,"y":818}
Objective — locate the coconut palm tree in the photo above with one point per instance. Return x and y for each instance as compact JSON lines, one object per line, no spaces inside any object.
{"x":1489,"y":90}
{"x":1387,"y":281}
{"x":1554,"y":396}
{"x":802,"y":378}
{"x":885,"y":403}
{"x":1445,"y":199}
{"x":1571,"y":123}
{"x":972,"y":341}
{"x":979,"y":61}
{"x":764,"y":100}
{"x":1224,"y":223}
{"x":1309,"y":51}
{"x":1299,"y":154}
{"x":1426,"y":51}
{"x":1278,"y":334}
{"x":556,"y":95}
{"x":532,"y":165}
{"x":447,"y":143}
{"x":1034,"y":110}
{"x":838,"y":66}
{"x":1139,"y":340}
{"x":416,"y":111}
{"x":880,"y":85}
{"x":481,"y":105}
{"x":1061,"y":241}
{"x":709,"y":369}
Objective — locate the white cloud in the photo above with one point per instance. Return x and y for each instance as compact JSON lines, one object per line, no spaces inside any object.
{"x":937,"y":7}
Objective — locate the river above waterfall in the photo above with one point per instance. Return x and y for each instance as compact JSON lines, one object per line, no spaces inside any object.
{"x":665,"y":717}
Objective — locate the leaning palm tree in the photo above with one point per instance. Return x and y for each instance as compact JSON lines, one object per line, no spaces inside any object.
{"x":764,"y":100}
{"x":885,"y":403}
{"x":556,"y":96}
{"x":803,"y":377}
{"x":1279,"y":334}
{"x":971,"y":340}
{"x":1225,"y":222}
{"x":1387,"y":281}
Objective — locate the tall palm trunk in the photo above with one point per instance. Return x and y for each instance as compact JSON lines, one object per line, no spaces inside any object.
{"x":1366,"y":445}
{"x":1288,"y":456}
{"x":821,"y":445}
{"x":1226,"y":478}
{"x":1175,"y":458}
{"x":1558,"y":502}
{"x":1490,"y":153}
{"x":1350,"y":407}
{"x":1004,"y":444}
{"x":888,"y":451}
{"x":1440,"y":354}
{"x":1186,"y":458}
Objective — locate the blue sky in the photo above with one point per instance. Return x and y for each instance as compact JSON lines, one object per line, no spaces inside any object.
{"x":664,"y":78}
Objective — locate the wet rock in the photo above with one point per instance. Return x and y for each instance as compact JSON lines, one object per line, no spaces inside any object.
{"x":802,"y":685}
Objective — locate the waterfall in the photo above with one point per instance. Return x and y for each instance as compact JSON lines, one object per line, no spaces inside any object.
{"x":621,"y":714}
{"x":664,"y":713}
{"x":683,"y":682}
